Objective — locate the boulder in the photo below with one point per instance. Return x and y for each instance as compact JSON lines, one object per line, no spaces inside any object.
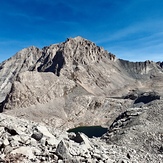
{"x":37,"y":135}
{"x":25,"y":151}
{"x":44,"y":131}
{"x":63,"y":150}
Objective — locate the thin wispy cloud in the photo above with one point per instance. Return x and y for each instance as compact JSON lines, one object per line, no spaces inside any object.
{"x":130,"y":29}
{"x":25,"y":16}
{"x":153,"y":28}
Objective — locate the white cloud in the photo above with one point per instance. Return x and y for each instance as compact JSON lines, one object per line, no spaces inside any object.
{"x":134,"y":29}
{"x":137,"y":42}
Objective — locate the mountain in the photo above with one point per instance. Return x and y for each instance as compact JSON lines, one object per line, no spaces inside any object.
{"x":77,"y":83}
{"x":69,"y":79}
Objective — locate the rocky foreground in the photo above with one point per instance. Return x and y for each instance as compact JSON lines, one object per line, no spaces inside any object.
{"x":135,"y":136}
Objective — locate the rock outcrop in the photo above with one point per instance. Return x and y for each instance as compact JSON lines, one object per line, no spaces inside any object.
{"x":141,"y":129}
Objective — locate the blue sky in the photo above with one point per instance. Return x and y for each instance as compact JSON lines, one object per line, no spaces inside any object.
{"x":130,"y":29}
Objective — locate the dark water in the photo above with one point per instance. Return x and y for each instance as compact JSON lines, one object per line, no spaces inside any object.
{"x":90,"y":131}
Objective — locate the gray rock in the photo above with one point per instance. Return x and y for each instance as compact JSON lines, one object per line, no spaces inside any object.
{"x":44,"y":131}
{"x":63,"y":150}
{"x":71,"y":135}
{"x":33,"y":142}
{"x":82,"y":138}
{"x":6,"y":142}
{"x":7,"y":149}
{"x":37,"y":135}
{"x":14,"y":143}
{"x":25,"y":151}
{"x":24,"y":139}
{"x":52,"y":141}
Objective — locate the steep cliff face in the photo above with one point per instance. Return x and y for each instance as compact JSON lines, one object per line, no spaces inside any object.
{"x":71,"y":53}
{"x":9,"y":69}
{"x":141,"y":70}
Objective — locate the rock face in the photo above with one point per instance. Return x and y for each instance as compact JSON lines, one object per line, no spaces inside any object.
{"x":139,"y":128}
{"x":76,"y":83}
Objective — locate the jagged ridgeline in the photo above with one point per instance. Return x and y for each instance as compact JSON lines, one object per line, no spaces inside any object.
{"x":77,"y":86}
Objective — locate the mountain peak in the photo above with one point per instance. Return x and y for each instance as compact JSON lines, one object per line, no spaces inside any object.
{"x":78,"y":39}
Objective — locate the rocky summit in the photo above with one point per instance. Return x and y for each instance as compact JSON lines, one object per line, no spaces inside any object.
{"x":46,"y":92}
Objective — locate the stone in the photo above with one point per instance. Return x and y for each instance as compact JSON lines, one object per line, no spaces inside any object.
{"x":43,"y":141}
{"x":82,"y":138}
{"x":16,"y":138}
{"x":11,"y":131}
{"x":109,"y":161}
{"x":33,"y":142}
{"x":63,"y":150}
{"x":8,"y":149}
{"x":71,"y":135}
{"x":52,"y":141}
{"x":24,"y":139}
{"x":2,"y":130}
{"x":6,"y":142}
{"x":2,"y":156}
{"x":37,"y":135}
{"x":14,"y":143}
{"x":44,"y":131}
{"x":25,"y":151}
{"x":60,"y":161}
